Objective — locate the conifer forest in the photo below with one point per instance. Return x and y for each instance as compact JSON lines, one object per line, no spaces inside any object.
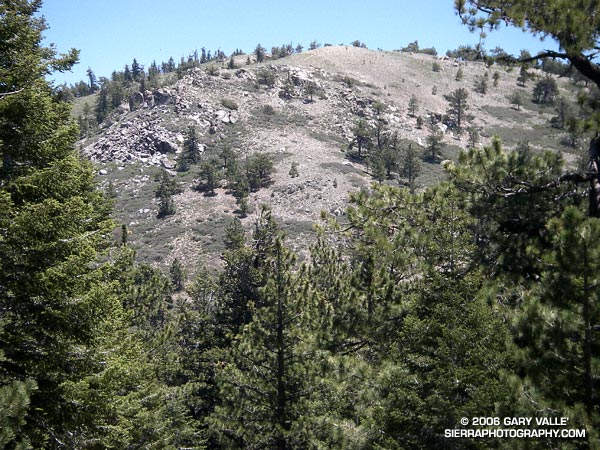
{"x":420,"y":315}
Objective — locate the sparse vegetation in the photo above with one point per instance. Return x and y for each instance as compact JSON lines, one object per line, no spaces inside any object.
{"x":413,"y":105}
{"x":481,"y":84}
{"x":164,"y":193}
{"x":545,"y":91}
{"x":457,"y":108}
{"x":433,"y":151}
{"x":459,"y":74}
{"x":268,"y":110}
{"x":517,"y":98}
{"x":229,"y":104}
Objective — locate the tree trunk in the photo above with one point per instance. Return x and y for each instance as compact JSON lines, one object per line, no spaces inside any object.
{"x":594,"y":164}
{"x":281,"y":408}
{"x":588,"y":380}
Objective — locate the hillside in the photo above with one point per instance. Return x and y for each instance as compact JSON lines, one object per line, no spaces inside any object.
{"x":246,"y":109}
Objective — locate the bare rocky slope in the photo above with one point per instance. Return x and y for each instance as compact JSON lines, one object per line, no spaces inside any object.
{"x":352,"y":83}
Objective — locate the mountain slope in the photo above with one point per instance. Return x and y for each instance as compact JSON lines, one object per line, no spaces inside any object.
{"x":267,"y":108}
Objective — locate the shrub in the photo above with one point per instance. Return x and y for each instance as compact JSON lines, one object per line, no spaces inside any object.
{"x":268,"y":110}
{"x":266,"y":77}
{"x":259,"y":168}
{"x":545,"y":91}
{"x":212,"y":70}
{"x":294,"y":170}
{"x":229,"y":104}
{"x":420,"y":122}
{"x":481,"y":85}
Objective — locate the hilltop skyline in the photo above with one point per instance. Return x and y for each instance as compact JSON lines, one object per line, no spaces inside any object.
{"x":111,"y":35}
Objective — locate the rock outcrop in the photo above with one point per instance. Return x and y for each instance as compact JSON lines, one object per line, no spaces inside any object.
{"x":135,"y":139}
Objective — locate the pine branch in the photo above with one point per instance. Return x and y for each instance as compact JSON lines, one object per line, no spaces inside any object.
{"x":530,"y":188}
{"x":6,"y":94}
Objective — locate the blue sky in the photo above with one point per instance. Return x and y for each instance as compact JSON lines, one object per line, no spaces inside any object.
{"x":111,"y":33}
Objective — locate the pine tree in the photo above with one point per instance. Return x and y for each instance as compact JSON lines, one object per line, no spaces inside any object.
{"x":153,"y":71}
{"x":419,"y":122}
{"x":523,"y":76}
{"x":559,"y":318}
{"x":259,"y":52}
{"x":127,"y":73}
{"x":243,"y":276}
{"x":425,"y":367}
{"x":434,"y":146}
{"x":259,"y":168}
{"x":545,"y":91}
{"x":517,"y":98}
{"x":164,"y":193}
{"x":136,"y":70}
{"x":410,"y":166}
{"x":144,"y":381}
{"x":234,"y":235}
{"x":244,"y":207}
{"x":92,"y":80}
{"x":209,"y":173}
{"x":413,"y":105}
{"x":457,"y":106}
{"x":190,"y":153}
{"x":362,"y":137}
{"x":229,"y":158}
{"x":565,"y":111}
{"x":57,"y":310}
{"x":177,"y":273}
{"x":481,"y":84}
{"x":310,"y":89}
{"x":473,"y":136}
{"x":539,"y":246}
{"x":269,"y":368}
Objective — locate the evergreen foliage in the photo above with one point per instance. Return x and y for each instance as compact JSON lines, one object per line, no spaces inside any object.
{"x":457,"y":107}
{"x":410,"y":166}
{"x":164,"y":193}
{"x":177,"y":273}
{"x":413,"y":105}
{"x":362,"y":138}
{"x":545,"y":91}
{"x":459,"y":74}
{"x":517,"y":98}
{"x":259,"y":53}
{"x":210,"y":177}
{"x":269,"y":365}
{"x":481,"y":84}
{"x":477,"y":297}
{"x":523,"y":76}
{"x":433,"y":150}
